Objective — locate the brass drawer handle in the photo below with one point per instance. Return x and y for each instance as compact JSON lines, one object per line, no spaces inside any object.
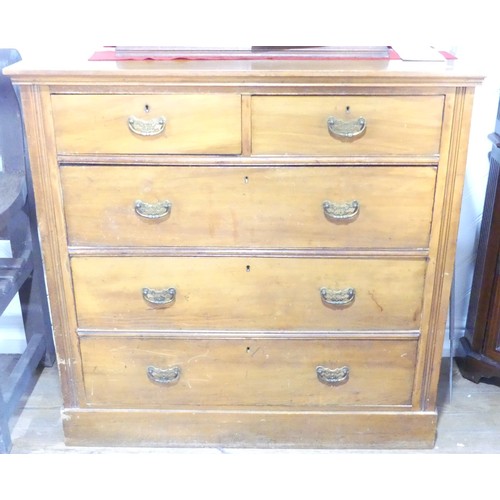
{"x":338,"y":298}
{"x":159,"y":298}
{"x":158,"y":210}
{"x":341,"y":129}
{"x":340,"y":211}
{"x":167,"y":376}
{"x":146,"y":128}
{"x":332,"y":376}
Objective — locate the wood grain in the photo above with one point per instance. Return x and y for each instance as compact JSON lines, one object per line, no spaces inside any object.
{"x":247,"y":372}
{"x":251,"y":138}
{"x":245,"y":429}
{"x":252,"y":207}
{"x":207,"y":124}
{"x":247,"y":293}
{"x":52,"y":232}
{"x":297,"y":125}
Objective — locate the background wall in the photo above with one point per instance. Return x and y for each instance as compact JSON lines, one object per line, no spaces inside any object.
{"x":38,"y":28}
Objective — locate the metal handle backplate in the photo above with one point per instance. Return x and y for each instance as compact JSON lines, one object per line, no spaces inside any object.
{"x":349,"y":129}
{"x":332,"y":376}
{"x":159,"y":298}
{"x":167,"y":376}
{"x":340,"y":211}
{"x":146,"y":128}
{"x":338,"y":298}
{"x":158,"y":210}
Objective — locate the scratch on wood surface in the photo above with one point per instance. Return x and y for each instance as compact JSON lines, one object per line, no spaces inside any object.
{"x":203,"y":355}
{"x":121,"y":348}
{"x":256,"y":351}
{"x":372,"y":295}
{"x":146,"y":351}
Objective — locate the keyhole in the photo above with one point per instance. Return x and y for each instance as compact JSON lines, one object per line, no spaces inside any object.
{"x":248,"y":349}
{"x":248,"y":269}
{"x":347,"y":109}
{"x":146,"y":108}
{"x":246,"y":179}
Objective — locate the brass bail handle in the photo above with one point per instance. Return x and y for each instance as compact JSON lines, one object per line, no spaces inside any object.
{"x":164,"y":376}
{"x":338,"y":298}
{"x":332,"y":376}
{"x":146,"y":128}
{"x":160,"y":210}
{"x":335,"y":211}
{"x":346,"y":129}
{"x":159,"y":298}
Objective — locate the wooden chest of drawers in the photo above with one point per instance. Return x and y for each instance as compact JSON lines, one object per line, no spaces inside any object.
{"x":248,"y":253}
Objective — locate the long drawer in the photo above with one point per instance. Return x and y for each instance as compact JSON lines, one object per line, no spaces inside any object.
{"x":363,"y":207}
{"x":158,"y":373}
{"x":247,"y":293}
{"x":148,"y":124}
{"x":346,"y":125}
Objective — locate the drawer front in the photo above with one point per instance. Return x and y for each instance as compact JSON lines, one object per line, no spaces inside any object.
{"x":393,"y":125}
{"x":152,"y":372}
{"x":368,"y":207}
{"x":148,"y":124}
{"x":217,"y":293}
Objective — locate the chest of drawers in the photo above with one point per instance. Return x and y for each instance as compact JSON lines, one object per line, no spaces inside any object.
{"x":248,"y":253}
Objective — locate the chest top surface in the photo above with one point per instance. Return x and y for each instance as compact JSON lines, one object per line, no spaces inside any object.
{"x":333,"y":72}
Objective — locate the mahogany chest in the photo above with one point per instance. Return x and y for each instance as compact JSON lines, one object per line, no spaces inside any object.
{"x":248,"y":253}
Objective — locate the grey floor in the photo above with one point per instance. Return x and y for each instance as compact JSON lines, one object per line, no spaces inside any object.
{"x":469,"y":423}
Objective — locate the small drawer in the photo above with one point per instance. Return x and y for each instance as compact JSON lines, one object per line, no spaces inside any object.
{"x":346,"y":125}
{"x":147,"y":124}
{"x":257,"y":207}
{"x":161,"y":373}
{"x":238,"y":293}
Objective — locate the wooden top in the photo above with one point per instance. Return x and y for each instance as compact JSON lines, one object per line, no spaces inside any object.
{"x":329,"y":72}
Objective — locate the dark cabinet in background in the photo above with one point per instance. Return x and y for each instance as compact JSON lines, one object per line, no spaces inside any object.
{"x":481,"y":342}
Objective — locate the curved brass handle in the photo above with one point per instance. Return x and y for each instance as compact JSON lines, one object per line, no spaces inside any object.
{"x":167,"y":376}
{"x":333,"y":376}
{"x":338,"y":298}
{"x":158,"y":210}
{"x":159,"y":298}
{"x":346,"y":129}
{"x":146,"y":128}
{"x":340,"y":211}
